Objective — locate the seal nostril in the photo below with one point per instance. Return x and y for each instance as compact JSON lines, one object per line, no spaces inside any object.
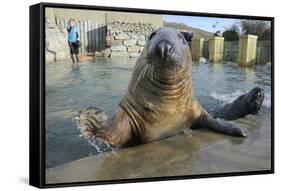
{"x":163,"y":48}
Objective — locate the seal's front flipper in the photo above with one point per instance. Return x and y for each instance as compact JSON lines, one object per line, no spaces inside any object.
{"x":90,"y":121}
{"x":207,"y":121}
{"x":94,"y":122}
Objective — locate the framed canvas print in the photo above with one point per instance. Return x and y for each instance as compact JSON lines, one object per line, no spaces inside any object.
{"x":127,"y":95}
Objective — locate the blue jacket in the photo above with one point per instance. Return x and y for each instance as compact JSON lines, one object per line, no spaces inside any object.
{"x":72,"y":33}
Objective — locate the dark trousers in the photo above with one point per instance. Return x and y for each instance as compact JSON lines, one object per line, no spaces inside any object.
{"x":74,"y":49}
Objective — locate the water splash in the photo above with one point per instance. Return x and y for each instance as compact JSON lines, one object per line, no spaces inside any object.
{"x":228,"y":98}
{"x":101,"y":147}
{"x":267,"y":100}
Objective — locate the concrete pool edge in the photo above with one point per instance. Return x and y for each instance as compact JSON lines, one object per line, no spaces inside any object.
{"x":207,"y":153}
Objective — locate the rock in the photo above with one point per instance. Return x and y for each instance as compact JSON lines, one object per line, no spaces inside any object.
{"x":122,"y":36}
{"x":98,"y":54}
{"x":107,"y":52}
{"x":109,"y":27}
{"x":119,"y":54}
{"x":109,"y":40}
{"x":134,"y":36}
{"x":141,"y":48}
{"x":141,"y":37}
{"x":49,"y":57}
{"x":130,"y":42}
{"x":134,"y":55}
{"x":119,"y":48}
{"x":141,"y":42}
{"x":117,"y":43}
{"x":50,"y":23}
{"x":133,"y":49}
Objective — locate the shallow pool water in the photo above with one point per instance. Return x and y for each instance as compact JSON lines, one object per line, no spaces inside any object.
{"x":103,"y":82}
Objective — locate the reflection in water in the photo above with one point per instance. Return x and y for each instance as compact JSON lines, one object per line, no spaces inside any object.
{"x":103,"y":82}
{"x":250,"y":75}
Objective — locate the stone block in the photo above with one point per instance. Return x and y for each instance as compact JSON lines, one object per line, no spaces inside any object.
{"x":134,"y":55}
{"x":141,"y":48}
{"x":109,"y":40}
{"x":107,"y":52}
{"x":130,"y":42}
{"x":141,"y":42}
{"x":119,"y":48}
{"x":98,"y":54}
{"x":120,"y":54}
{"x":122,"y":36}
{"x":133,"y":49}
{"x":49,"y":57}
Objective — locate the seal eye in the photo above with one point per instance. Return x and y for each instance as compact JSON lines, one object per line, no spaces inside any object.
{"x":182,"y":39}
{"x":152,"y":35}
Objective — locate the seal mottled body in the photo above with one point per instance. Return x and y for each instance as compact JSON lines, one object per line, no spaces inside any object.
{"x":159,"y":102}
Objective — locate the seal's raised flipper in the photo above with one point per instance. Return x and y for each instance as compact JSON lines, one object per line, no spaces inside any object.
{"x":207,"y":121}
{"x":94,"y":122}
{"x":248,"y":103}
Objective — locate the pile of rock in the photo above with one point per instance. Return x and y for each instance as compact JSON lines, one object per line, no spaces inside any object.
{"x":126,"y":39}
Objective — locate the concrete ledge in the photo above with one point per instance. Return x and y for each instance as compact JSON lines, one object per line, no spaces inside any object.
{"x":201,"y":152}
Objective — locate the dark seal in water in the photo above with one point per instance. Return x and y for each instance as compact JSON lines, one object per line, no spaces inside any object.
{"x":249,"y":103}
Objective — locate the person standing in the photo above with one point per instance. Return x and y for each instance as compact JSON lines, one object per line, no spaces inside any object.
{"x":73,"y":39}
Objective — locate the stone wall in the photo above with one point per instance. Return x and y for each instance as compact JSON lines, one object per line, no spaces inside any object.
{"x":126,"y":39}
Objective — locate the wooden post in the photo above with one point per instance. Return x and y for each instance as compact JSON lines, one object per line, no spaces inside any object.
{"x":216,"y":49}
{"x":247,"y":50}
{"x":197,"y":48}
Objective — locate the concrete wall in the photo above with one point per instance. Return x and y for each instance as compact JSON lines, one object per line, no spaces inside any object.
{"x":231,"y":51}
{"x":56,"y":43}
{"x":263,"y":51}
{"x":105,"y":17}
{"x":216,"y":47}
{"x":247,"y":50}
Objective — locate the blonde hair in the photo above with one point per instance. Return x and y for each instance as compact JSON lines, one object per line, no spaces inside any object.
{"x":71,"y":19}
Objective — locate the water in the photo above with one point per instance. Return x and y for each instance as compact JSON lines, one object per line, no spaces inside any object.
{"x":103,"y":83}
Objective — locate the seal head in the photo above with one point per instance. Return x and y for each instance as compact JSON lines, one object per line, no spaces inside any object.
{"x":254,"y":100}
{"x":167,"y":48}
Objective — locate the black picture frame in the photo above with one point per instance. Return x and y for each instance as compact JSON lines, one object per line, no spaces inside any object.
{"x":37,"y":94}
